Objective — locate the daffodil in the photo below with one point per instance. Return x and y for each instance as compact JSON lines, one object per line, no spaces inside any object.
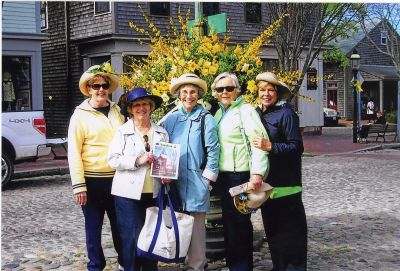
{"x":107,"y":67}
{"x":251,"y":85}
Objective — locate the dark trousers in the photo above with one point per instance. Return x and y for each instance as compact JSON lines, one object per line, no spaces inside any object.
{"x":238,"y":230}
{"x":99,"y":201}
{"x":286,"y":230}
{"x":131,"y":215}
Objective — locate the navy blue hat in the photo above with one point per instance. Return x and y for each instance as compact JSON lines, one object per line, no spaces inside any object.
{"x":141,"y":93}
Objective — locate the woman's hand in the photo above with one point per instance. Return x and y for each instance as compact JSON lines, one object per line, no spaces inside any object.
{"x":165,"y":181}
{"x":262,"y":143}
{"x":146,"y":158}
{"x":81,"y":198}
{"x":256,"y":181}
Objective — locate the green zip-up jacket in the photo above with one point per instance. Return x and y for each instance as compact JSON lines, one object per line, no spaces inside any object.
{"x":234,"y":156}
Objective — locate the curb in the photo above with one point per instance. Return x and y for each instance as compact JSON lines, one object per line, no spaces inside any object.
{"x":41,"y":172}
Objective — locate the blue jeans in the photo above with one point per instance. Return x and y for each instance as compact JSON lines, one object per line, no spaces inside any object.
{"x":99,"y":201}
{"x":130,"y":219}
{"x":238,"y":230}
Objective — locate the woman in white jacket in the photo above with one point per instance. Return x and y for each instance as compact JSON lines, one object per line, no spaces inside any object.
{"x":133,"y":188}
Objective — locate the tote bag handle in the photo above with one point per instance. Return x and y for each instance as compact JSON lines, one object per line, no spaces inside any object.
{"x":160,"y":203}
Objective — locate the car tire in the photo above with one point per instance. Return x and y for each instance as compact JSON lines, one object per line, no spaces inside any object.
{"x":7,"y":169}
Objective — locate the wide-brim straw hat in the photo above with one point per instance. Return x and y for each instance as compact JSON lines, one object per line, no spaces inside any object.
{"x":283,"y":89}
{"x":187,"y":78}
{"x":141,"y":93}
{"x":248,"y":202}
{"x":93,"y":71}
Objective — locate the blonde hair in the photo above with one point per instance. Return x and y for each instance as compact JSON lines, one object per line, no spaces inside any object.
{"x":96,"y":77}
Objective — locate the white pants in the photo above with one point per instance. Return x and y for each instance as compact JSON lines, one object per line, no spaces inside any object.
{"x":196,"y":258}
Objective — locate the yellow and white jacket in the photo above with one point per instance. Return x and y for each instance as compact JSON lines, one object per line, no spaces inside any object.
{"x":89,"y":135}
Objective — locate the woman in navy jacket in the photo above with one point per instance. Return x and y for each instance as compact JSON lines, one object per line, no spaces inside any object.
{"x":283,"y":214}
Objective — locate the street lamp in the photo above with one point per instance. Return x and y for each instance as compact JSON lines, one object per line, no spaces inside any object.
{"x":355,"y":66}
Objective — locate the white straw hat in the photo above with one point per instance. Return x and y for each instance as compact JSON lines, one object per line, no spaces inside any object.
{"x":249,"y":201}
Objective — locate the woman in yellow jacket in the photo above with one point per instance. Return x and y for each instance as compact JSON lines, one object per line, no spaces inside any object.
{"x":91,"y":129}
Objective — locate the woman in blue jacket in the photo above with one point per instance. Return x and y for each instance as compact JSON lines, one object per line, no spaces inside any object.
{"x":283,"y":214}
{"x":198,"y":164}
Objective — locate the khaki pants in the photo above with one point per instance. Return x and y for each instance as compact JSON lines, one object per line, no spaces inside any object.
{"x":196,"y":258}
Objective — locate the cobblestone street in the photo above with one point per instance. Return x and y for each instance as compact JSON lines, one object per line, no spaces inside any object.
{"x":352,"y":204}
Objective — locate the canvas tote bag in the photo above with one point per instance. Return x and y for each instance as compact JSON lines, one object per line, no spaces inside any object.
{"x":166,"y":234}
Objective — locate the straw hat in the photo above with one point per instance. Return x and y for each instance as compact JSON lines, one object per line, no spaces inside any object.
{"x":283,"y":89}
{"x":247,"y":203}
{"x":187,"y":78}
{"x":95,"y":70}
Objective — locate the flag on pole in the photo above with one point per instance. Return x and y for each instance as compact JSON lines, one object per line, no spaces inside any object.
{"x":358,"y":82}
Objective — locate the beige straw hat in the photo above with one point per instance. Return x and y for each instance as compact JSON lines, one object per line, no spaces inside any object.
{"x":283,"y":89}
{"x":187,"y":78}
{"x":95,"y":70}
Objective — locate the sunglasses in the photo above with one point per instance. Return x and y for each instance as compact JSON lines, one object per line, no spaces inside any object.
{"x":98,"y":86}
{"x":227,"y":88}
{"x":146,"y":141}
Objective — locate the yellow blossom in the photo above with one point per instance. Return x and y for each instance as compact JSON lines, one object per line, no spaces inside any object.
{"x":216,"y":48}
{"x":107,"y":67}
{"x":238,"y":50}
{"x":181,"y":62}
{"x":192,"y":66}
{"x":251,"y":85}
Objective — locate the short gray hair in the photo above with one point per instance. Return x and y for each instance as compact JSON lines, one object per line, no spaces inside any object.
{"x":223,"y":75}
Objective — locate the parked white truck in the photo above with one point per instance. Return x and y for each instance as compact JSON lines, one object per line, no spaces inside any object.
{"x":23,"y":138}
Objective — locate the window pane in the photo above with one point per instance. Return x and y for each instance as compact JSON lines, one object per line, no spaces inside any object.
{"x":158,"y":8}
{"x":270,"y":65}
{"x":253,"y":13}
{"x":101,"y":7}
{"x":210,"y":8}
{"x":16,"y":84}
{"x":312,"y":79}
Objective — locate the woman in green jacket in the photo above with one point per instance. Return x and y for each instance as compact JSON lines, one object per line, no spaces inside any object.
{"x":238,"y":123}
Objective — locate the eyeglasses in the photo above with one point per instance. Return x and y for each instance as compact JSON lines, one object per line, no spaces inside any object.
{"x":98,"y":86}
{"x":227,"y":88}
{"x":146,"y":141}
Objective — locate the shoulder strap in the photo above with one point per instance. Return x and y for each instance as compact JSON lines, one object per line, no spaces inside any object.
{"x":203,"y":140}
{"x":244,"y":134}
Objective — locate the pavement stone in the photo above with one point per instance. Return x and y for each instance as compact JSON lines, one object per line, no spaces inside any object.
{"x":350,"y":196}
{"x":351,"y":202}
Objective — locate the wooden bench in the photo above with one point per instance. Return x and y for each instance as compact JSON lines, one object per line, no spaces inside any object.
{"x":377,"y":131}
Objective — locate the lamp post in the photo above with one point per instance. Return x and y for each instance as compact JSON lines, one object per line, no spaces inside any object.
{"x":355,"y":66}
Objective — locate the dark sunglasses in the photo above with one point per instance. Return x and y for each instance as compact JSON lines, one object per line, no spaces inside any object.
{"x":227,"y":88}
{"x":98,"y":86}
{"x":146,"y":141}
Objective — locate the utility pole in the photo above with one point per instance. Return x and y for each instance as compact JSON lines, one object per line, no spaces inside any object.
{"x":198,"y":17}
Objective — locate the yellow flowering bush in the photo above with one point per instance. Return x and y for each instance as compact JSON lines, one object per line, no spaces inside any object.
{"x":207,"y":56}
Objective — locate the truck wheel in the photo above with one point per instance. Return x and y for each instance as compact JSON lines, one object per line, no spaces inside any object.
{"x":7,"y":169}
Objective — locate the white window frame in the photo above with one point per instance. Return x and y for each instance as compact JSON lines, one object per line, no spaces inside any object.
{"x":103,"y":13}
{"x":47,"y":16}
{"x":384,"y":35}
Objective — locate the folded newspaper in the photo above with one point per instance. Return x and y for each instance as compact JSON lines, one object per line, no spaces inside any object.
{"x":248,"y":188}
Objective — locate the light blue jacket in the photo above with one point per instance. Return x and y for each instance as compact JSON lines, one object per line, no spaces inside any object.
{"x":185,"y":130}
